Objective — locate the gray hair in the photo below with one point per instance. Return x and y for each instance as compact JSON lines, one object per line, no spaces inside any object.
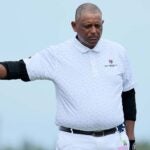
{"x":86,"y":7}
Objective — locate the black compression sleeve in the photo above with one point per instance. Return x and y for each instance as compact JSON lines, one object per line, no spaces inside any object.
{"x":129,"y":105}
{"x":16,"y":70}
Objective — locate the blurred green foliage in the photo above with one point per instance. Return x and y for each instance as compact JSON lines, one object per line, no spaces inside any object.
{"x":30,"y":146}
{"x":25,"y":146}
{"x":143,"y":146}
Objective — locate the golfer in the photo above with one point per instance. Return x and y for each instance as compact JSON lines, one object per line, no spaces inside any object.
{"x":95,"y":91}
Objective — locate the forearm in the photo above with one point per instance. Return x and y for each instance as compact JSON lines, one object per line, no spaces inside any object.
{"x":129,"y":108}
{"x":3,"y":72}
{"x":13,"y":70}
{"x":129,"y":125}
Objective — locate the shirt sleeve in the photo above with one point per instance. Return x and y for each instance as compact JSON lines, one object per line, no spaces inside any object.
{"x":128,"y":77}
{"x":42,"y":65}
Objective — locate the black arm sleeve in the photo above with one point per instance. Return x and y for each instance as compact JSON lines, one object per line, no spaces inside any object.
{"x":129,"y":105}
{"x":16,"y":70}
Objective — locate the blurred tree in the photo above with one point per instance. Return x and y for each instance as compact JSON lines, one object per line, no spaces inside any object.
{"x":30,"y":146}
{"x":25,"y":146}
{"x":8,"y":148}
{"x":143,"y":146}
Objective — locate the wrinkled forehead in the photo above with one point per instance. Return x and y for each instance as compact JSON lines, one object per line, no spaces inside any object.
{"x":89,"y":17}
{"x":88,"y":14}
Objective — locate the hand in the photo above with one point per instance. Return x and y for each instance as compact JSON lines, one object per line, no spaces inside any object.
{"x":3,"y":71}
{"x":132,"y":145}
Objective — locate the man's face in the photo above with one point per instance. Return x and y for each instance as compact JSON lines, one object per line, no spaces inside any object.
{"x":88,"y":28}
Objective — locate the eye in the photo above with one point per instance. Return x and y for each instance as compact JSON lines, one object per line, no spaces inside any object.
{"x":87,"y":26}
{"x":98,"y":26}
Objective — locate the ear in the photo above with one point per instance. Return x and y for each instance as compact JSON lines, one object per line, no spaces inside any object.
{"x":102,"y":21}
{"x":74,"y":26}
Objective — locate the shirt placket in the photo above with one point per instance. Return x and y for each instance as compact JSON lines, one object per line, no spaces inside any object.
{"x":93,"y":63}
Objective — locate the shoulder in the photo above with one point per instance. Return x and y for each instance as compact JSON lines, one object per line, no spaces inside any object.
{"x":113,"y":46}
{"x":56,"y":48}
{"x":60,"y":46}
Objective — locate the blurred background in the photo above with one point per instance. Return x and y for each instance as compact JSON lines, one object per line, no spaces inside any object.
{"x":27,"y":110}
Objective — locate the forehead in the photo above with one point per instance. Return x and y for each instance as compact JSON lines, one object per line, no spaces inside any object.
{"x":88,"y":16}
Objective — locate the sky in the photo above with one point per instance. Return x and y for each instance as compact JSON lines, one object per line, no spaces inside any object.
{"x":27,"y":110}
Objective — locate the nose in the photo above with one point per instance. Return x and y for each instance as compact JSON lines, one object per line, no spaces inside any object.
{"x":93,"y":29}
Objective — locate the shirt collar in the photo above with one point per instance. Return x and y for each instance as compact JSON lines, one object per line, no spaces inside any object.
{"x":83,"y":49}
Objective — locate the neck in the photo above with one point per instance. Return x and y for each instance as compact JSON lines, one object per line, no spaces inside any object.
{"x":83,"y":43}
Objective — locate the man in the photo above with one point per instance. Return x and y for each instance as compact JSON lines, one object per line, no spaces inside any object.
{"x":94,"y":86}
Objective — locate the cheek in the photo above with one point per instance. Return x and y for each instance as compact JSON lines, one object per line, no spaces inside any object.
{"x":83,"y":33}
{"x":101,"y":30}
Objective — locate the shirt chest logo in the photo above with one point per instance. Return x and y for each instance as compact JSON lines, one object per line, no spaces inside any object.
{"x":110,"y":63}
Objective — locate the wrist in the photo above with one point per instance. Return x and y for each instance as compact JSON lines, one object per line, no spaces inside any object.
{"x":132,"y":145}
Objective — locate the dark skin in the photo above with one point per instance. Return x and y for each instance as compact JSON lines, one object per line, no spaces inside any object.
{"x":89,"y":27}
{"x":3,"y":72}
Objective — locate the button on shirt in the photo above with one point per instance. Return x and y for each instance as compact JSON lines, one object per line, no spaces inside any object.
{"x":88,"y":82}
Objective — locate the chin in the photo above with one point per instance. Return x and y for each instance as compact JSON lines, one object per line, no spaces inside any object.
{"x":92,"y":45}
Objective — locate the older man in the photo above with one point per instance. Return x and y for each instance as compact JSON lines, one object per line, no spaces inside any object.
{"x":96,"y":107}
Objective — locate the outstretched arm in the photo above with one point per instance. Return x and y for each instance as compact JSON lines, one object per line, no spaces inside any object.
{"x":13,"y":70}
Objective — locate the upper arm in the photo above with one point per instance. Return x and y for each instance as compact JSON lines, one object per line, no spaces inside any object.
{"x":128,"y":77}
{"x":129,"y":105}
{"x":42,"y":65}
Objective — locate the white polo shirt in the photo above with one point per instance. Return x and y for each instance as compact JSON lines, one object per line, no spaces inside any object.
{"x":88,"y":82}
